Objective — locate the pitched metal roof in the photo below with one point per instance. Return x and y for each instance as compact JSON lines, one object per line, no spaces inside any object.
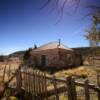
{"x":52,"y":45}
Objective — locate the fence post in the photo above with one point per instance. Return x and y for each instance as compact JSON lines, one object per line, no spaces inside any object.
{"x":9,"y":72}
{"x":55,"y":87}
{"x":86,"y":86}
{"x":18,"y":80}
{"x":74,"y":89}
{"x":98,"y":83}
{"x":4,"y":72}
{"x":71,"y":88}
{"x":45,"y":86}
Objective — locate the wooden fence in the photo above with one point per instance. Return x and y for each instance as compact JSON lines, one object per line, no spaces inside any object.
{"x":42,"y":87}
{"x":96,"y":60}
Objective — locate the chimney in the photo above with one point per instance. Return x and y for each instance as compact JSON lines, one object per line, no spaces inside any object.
{"x":35,"y":46}
{"x":59,"y":41}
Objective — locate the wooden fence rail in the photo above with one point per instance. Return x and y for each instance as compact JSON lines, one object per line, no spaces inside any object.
{"x":36,"y":83}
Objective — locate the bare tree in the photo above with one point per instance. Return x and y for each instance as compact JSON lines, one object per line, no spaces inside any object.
{"x":93,"y":34}
{"x":66,"y":5}
{"x":62,"y":6}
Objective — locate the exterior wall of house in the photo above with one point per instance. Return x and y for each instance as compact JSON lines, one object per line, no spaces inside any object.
{"x":51,"y":57}
{"x":70,"y":58}
{"x":55,"y":57}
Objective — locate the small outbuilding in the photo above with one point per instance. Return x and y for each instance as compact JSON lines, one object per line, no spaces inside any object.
{"x":54,"y":54}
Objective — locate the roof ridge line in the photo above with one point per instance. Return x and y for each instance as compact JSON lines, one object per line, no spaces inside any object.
{"x":52,"y":45}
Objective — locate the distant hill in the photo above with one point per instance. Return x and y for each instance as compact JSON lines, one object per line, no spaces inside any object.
{"x":19,"y":54}
{"x":85,"y":51}
{"x":3,"y":58}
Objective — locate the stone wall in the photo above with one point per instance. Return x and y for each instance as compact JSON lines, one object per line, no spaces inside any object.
{"x":51,"y":54}
{"x":55,"y":57}
{"x":88,"y":54}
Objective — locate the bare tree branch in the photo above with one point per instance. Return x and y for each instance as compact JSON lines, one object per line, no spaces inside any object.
{"x":46,"y":4}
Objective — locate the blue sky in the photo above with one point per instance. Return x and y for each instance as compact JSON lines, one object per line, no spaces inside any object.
{"x":22,"y":24}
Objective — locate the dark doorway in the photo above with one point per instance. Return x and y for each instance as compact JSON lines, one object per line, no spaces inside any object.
{"x":43,"y":60}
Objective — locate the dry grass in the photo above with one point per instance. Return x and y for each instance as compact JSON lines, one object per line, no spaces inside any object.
{"x":10,"y":69}
{"x":81,"y":72}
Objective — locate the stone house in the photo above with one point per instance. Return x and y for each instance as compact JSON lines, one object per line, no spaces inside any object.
{"x":54,"y":54}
